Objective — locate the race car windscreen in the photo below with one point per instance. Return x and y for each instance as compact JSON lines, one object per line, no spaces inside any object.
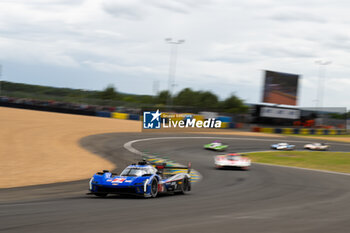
{"x":137,"y":171}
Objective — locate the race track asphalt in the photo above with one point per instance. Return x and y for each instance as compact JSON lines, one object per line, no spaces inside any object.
{"x":263,"y":199}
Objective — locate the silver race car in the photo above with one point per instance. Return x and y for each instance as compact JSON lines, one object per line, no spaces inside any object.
{"x":282,"y":146}
{"x":316,"y":146}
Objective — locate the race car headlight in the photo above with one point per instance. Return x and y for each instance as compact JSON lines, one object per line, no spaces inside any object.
{"x":145,"y":185}
{"x":90,"y":183}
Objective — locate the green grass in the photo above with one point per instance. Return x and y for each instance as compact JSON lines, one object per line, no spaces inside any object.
{"x":330,"y":161}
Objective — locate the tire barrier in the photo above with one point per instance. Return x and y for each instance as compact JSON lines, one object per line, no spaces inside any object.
{"x":302,"y":131}
{"x":103,"y":114}
{"x":225,"y":125}
{"x":134,"y":117}
{"x":267,"y":130}
{"x":199,"y":117}
{"x":224,"y":119}
{"x":119,"y":115}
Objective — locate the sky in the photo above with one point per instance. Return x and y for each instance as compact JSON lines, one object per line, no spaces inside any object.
{"x":89,"y":44}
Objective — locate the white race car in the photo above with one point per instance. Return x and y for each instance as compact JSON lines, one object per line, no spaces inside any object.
{"x":316,"y":146}
{"x":282,"y":146}
{"x":232,"y":160}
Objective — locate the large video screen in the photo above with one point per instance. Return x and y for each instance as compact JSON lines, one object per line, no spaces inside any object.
{"x":280,"y":88}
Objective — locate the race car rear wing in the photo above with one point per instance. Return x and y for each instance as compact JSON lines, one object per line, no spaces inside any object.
{"x":163,"y":166}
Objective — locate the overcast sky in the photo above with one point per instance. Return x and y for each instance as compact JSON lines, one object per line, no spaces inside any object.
{"x":89,"y":44}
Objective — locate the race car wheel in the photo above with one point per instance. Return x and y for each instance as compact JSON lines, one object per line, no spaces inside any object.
{"x":101,"y":194}
{"x":184,"y":186}
{"x":154,"y":188}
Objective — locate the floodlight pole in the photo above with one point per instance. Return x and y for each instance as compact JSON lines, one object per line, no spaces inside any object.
{"x":172,"y":67}
{"x":321,"y":80}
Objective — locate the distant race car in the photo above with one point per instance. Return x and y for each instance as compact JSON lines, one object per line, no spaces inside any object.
{"x":143,"y":179}
{"x":316,"y":146}
{"x":232,"y":160}
{"x":282,"y":146}
{"x":216,"y":145}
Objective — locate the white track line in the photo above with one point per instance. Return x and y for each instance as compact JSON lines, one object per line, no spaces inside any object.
{"x":233,"y":138}
{"x":128,"y":146}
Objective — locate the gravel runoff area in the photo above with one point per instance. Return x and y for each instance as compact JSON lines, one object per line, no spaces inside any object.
{"x":42,"y":147}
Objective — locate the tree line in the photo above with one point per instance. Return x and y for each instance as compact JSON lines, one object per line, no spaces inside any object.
{"x":201,"y":100}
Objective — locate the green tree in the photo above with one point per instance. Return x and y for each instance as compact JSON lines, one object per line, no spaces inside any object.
{"x":109,"y":93}
{"x":207,"y":99}
{"x":233,"y":104}
{"x":162,"y":97}
{"x":186,"y":97}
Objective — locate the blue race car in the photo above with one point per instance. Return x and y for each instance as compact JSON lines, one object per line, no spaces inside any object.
{"x":143,"y":179}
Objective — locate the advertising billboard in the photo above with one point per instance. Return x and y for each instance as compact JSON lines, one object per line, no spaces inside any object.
{"x":280,"y":113}
{"x":280,"y":88}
